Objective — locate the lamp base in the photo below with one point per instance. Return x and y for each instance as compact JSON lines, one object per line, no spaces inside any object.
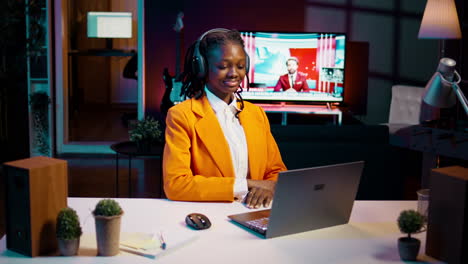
{"x":441,"y":123}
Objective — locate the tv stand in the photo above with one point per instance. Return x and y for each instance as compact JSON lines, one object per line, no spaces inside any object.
{"x":285,"y":109}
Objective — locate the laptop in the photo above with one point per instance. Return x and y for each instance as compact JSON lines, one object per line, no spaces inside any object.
{"x":307,"y":199}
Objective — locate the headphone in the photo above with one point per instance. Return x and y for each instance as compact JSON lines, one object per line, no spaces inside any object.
{"x":199,"y":65}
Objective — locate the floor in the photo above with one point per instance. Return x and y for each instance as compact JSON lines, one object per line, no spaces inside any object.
{"x":96,"y":177}
{"x":2,"y":204}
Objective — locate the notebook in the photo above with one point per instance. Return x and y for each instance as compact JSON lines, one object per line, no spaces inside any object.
{"x":307,"y":199}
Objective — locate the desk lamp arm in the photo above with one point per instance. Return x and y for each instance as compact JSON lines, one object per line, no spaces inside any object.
{"x":461,"y":97}
{"x":454,"y":84}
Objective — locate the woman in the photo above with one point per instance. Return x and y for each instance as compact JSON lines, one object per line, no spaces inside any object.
{"x":218,"y":147}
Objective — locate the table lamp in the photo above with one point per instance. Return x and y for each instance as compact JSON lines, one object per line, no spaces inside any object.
{"x":440,"y":21}
{"x":442,"y":89}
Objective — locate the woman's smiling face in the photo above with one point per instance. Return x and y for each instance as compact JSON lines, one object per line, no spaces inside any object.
{"x":226,"y":70}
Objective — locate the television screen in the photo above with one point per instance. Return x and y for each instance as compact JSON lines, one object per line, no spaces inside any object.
{"x":109,"y":24}
{"x":295,"y":67}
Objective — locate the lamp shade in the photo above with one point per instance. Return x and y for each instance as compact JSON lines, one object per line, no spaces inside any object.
{"x":440,"y":20}
{"x":439,"y":91}
{"x":438,"y":94}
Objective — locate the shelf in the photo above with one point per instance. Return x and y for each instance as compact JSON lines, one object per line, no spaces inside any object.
{"x":102,"y":52}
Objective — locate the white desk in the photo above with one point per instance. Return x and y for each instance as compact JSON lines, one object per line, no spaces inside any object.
{"x":370,"y":237}
{"x":302,"y":109}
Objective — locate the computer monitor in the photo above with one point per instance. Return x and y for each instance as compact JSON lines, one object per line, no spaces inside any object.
{"x":320,"y":59}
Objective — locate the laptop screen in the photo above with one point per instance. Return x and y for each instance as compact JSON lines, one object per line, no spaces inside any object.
{"x":312,"y":198}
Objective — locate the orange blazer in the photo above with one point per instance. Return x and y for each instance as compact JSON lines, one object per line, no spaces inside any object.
{"x":197,"y":163}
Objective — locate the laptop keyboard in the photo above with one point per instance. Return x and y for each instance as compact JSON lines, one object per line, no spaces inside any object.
{"x":260,"y":224}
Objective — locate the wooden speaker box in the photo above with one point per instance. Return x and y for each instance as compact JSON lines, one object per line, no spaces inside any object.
{"x":36,"y":190}
{"x":447,"y":230}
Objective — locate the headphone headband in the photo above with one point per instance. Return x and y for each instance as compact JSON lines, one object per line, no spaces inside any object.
{"x":199,"y":65}
{"x":211,"y":31}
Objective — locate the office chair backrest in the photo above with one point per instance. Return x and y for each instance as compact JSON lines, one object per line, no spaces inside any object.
{"x":405,"y":107}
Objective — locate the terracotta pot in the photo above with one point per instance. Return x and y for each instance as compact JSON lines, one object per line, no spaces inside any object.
{"x":408,"y":247}
{"x":68,"y":247}
{"x":108,"y":234}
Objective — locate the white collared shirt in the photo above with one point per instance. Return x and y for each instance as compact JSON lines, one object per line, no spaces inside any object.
{"x":235,"y":137}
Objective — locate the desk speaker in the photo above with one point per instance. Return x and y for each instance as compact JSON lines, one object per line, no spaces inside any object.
{"x":36,"y":190}
{"x":447,"y":230}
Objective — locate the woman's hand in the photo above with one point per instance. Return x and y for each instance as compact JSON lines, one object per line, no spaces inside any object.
{"x":260,"y":193}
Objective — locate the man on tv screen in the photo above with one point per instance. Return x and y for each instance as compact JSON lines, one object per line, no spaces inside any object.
{"x":293,"y":81}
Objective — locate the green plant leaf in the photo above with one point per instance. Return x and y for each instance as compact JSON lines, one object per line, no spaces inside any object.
{"x":68,"y":224}
{"x":410,"y":222}
{"x":107,"y":207}
{"x":148,"y":130}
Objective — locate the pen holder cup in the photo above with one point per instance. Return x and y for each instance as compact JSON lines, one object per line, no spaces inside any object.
{"x":108,"y":234}
{"x":423,"y":203}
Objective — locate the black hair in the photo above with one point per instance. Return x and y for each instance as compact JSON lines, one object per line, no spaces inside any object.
{"x":192,"y":86}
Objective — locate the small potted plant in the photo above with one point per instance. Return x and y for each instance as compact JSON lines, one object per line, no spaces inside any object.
{"x":145,"y":133}
{"x":68,"y":232}
{"x":107,"y":215}
{"x":409,"y":222}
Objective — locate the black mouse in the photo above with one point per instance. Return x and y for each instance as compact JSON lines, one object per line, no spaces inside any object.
{"x":197,"y":221}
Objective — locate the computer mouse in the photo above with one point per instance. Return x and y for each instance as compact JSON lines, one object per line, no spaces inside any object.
{"x":197,"y":221}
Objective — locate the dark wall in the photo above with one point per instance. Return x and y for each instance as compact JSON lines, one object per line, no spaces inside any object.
{"x":200,"y":16}
{"x":459,"y":49}
{"x":14,"y":126}
{"x":159,"y":48}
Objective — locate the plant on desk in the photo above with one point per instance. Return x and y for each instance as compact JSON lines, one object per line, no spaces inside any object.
{"x":107,"y":215}
{"x":409,"y":222}
{"x":68,"y":231}
{"x":146,"y":133}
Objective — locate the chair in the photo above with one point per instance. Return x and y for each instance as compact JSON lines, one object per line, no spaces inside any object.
{"x":407,"y":110}
{"x":405,"y":107}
